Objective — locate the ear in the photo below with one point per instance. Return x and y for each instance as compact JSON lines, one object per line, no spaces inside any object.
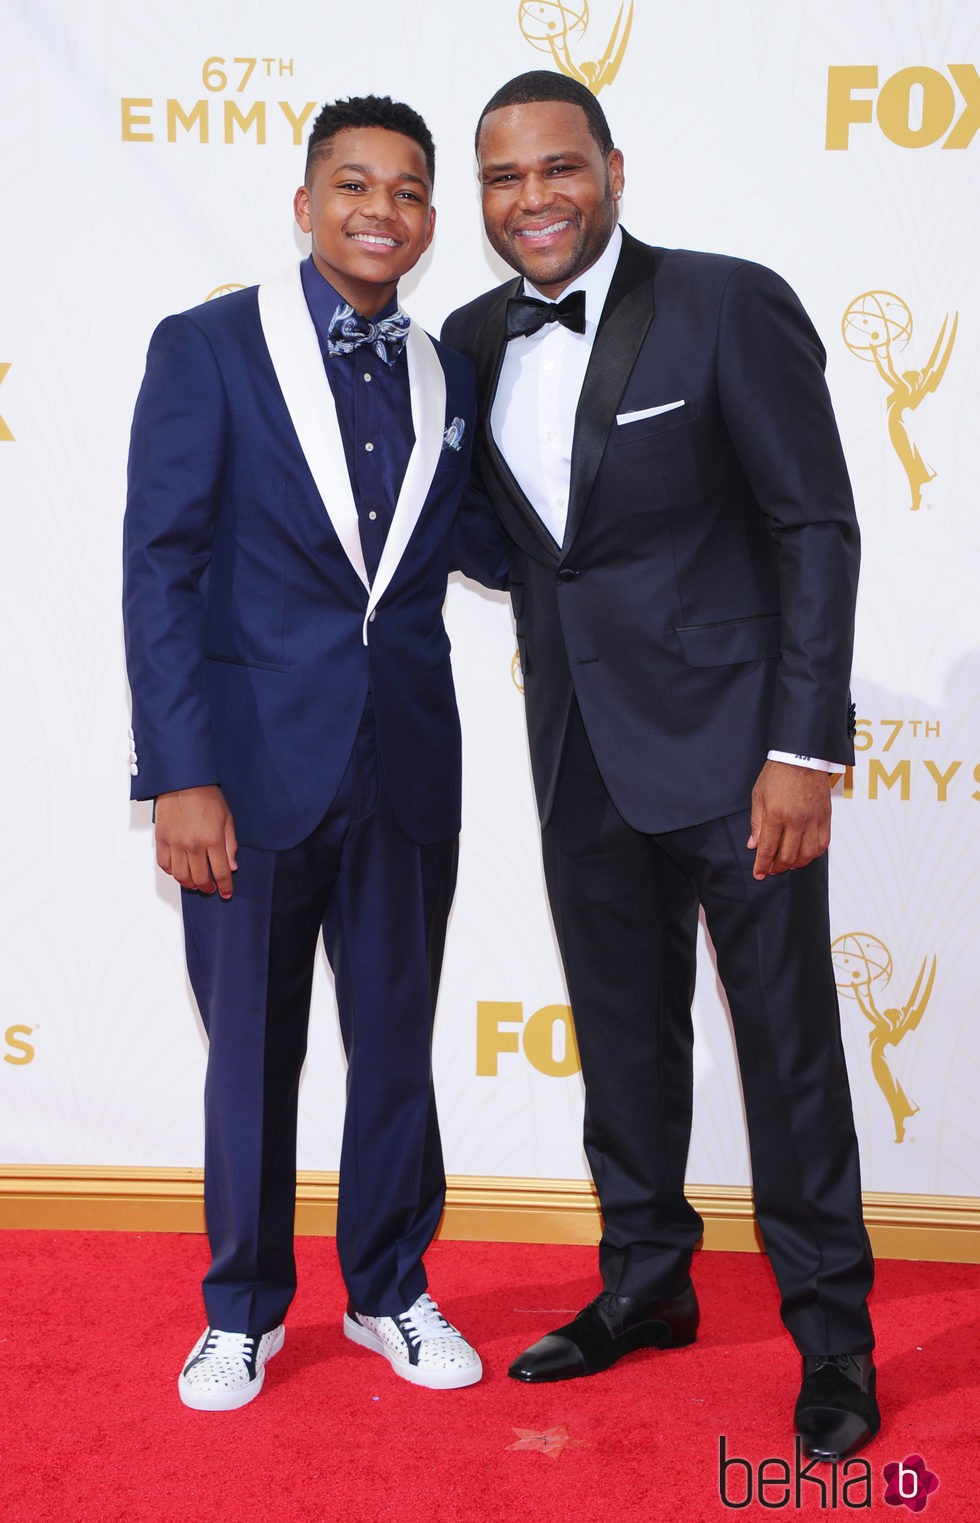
{"x":617,"y":176}
{"x":432,"y":228}
{"x":301,"y":209}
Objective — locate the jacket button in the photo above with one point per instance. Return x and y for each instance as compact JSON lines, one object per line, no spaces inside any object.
{"x":566,"y":574}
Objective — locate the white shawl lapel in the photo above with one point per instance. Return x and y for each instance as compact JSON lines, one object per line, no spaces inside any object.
{"x":293,"y":346}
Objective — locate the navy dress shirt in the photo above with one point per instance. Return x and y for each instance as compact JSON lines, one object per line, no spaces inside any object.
{"x":374,"y":411}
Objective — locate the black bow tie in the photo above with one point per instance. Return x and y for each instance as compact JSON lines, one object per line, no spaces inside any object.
{"x":526,"y":315}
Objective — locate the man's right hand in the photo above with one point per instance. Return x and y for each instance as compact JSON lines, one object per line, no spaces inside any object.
{"x":196,"y":841}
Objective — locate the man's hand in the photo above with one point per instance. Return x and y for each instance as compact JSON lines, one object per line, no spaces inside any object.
{"x":790,"y":818}
{"x":196,"y":839}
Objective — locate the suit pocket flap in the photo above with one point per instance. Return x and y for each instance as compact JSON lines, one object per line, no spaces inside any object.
{"x":732,"y":641}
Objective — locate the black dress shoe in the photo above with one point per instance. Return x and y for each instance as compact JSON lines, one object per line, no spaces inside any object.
{"x":609,"y":1327}
{"x":836,"y":1412}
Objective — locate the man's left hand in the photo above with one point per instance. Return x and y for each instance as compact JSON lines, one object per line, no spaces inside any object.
{"x":790,"y":823}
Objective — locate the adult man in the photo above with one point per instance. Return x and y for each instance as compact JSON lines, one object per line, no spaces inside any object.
{"x":683,"y":567}
{"x":298,"y":455}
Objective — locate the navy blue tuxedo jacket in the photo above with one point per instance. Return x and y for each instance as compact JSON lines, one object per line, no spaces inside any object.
{"x":701,"y":607}
{"x":252,"y":637}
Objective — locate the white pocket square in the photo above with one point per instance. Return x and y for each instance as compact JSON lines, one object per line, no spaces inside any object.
{"x":648,"y":412}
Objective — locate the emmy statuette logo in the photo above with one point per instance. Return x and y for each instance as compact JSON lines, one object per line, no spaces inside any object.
{"x":233,"y":285}
{"x":555,"y":27}
{"x":876,"y":328}
{"x":862,"y":963}
{"x":516,"y":673}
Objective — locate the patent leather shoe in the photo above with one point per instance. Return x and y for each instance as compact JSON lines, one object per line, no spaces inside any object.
{"x":605,"y":1330}
{"x":836,"y":1412}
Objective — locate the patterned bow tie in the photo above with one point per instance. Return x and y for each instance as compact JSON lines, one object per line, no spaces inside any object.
{"x":348,"y":330}
{"x":526,"y":315}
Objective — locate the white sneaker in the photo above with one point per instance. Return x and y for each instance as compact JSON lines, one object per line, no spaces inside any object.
{"x":420,"y":1345}
{"x":226,"y":1370}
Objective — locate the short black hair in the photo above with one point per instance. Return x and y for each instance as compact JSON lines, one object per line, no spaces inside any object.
{"x":542,"y":85}
{"x":369,"y":111}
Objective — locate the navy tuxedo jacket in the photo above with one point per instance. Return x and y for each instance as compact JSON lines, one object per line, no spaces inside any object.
{"x":701,"y":607}
{"x":252,"y":636}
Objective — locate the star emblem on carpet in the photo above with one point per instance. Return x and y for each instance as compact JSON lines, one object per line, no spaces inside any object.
{"x":552,"y":1441}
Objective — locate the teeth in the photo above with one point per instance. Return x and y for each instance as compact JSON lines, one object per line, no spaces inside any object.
{"x":388,"y":243}
{"x":542,"y":232}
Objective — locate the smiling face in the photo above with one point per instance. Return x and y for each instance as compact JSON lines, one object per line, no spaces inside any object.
{"x":549,"y":192}
{"x":368,"y":209}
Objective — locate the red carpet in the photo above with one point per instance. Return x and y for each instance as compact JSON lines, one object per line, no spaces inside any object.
{"x":95,"y":1326}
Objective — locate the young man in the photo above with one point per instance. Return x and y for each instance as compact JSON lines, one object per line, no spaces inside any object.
{"x":659,"y":444}
{"x":299,"y":451}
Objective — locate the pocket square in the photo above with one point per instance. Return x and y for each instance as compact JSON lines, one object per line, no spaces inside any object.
{"x":647,"y":412}
{"x":453,"y":437}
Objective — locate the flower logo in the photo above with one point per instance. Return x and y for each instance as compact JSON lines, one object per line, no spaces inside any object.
{"x":910,"y":1483}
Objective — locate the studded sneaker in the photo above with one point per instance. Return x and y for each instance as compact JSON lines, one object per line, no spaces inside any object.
{"x":226,"y":1370}
{"x":419,"y":1344}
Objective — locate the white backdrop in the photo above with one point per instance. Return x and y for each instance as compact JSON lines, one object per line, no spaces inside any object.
{"x":149,"y":156}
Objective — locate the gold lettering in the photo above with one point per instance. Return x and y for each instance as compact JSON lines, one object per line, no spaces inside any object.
{"x":968,"y":80}
{"x":942,"y":780}
{"x":842,"y":108}
{"x":132,"y":119}
{"x":976,"y":779}
{"x":878,"y":773}
{"x":895,"y":107}
{"x":297,"y":122}
{"x":539,"y":1037}
{"x":248,"y":72}
{"x":176,"y":115}
{"x":256,"y":115}
{"x":16,"y":1039}
{"x":491,"y":1014}
{"x":846,"y":780}
{"x":896,"y":728}
{"x":6,"y":437}
{"x":212,"y":75}
{"x":932,"y":728}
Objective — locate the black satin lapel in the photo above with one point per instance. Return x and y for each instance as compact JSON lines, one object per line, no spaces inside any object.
{"x":623,"y":326}
{"x":490,"y":343}
{"x":489,"y":351}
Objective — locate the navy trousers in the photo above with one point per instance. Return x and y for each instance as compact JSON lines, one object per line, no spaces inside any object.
{"x":619,"y":900}
{"x":381,"y":902}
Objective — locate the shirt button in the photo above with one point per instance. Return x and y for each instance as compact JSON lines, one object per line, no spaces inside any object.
{"x":372,"y":515}
{"x":369,"y":447}
{"x":559,"y":502}
{"x":367,"y":375}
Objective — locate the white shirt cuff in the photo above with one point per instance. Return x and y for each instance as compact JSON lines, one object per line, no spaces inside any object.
{"x":815,"y":763}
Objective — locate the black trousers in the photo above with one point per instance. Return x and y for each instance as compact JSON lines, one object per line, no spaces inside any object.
{"x":623,"y":905}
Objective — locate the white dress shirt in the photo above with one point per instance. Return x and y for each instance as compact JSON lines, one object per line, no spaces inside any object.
{"x":540,"y":379}
{"x":533,"y":413}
